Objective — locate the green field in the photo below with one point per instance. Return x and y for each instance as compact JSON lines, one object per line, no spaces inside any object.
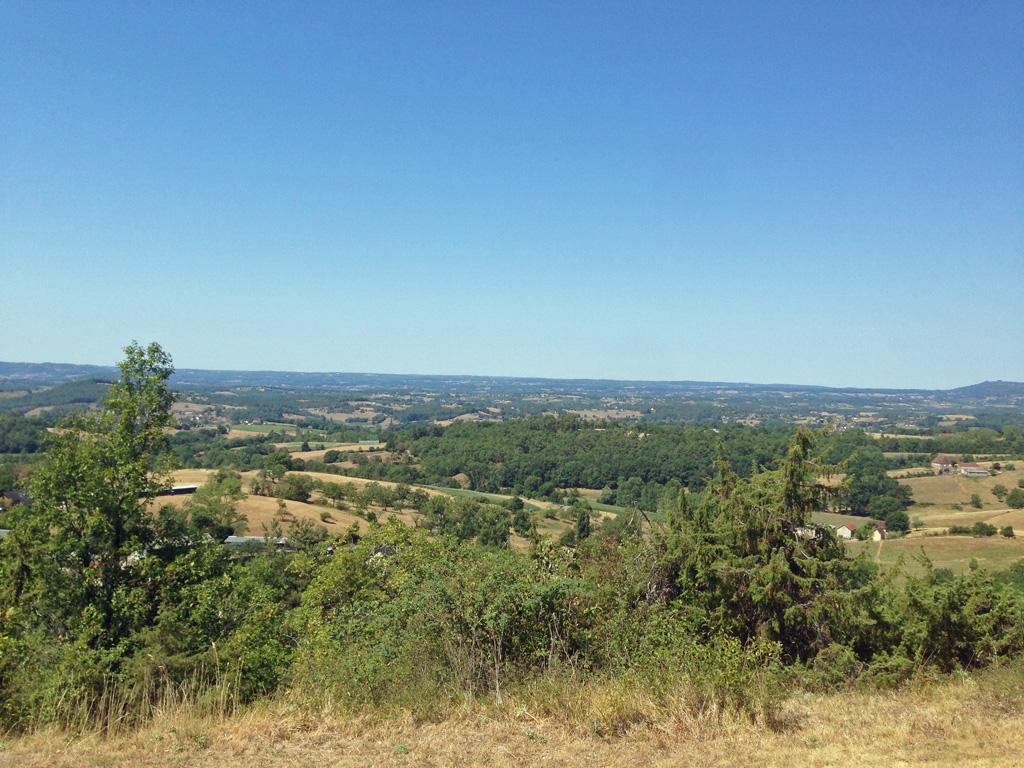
{"x":941,"y":501}
{"x":264,"y":429}
{"x":834,"y":519}
{"x":993,"y":553}
{"x":314,"y":444}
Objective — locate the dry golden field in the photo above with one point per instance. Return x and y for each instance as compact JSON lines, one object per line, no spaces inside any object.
{"x":260,"y":511}
{"x":904,"y":471}
{"x":936,"y":501}
{"x":975,"y":722}
{"x":318,"y":455}
{"x":946,"y":490}
{"x":605,"y":414}
{"x":236,"y":434}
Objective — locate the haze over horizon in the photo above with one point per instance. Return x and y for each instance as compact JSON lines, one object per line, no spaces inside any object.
{"x":785,"y":193}
{"x":456,"y":374}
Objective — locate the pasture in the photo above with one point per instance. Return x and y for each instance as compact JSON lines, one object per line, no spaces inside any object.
{"x":942,"y":501}
{"x":836,"y":519}
{"x":994,"y":553}
{"x":241,"y":434}
{"x":947,"y":490}
{"x":294,"y":449}
{"x":266,"y":428}
{"x":260,"y":511}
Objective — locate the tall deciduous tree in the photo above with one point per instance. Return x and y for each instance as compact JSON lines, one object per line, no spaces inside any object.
{"x":88,"y":517}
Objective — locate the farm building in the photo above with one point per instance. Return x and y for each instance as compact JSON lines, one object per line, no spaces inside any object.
{"x":241,"y":541}
{"x":845,"y":531}
{"x":971,"y":469}
{"x":178,"y":490}
{"x":879,"y":533}
{"x":943,"y":463}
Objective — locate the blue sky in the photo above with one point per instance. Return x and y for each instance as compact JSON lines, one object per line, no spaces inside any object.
{"x":767,"y":192}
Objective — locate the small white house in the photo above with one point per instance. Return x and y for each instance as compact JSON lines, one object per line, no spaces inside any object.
{"x":845,"y":531}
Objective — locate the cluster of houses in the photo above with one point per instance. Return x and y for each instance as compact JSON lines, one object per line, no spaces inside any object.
{"x":944,"y":464}
{"x":847,"y":531}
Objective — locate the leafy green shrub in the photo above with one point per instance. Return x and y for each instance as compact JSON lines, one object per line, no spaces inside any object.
{"x":888,"y":671}
{"x":961,"y":623}
{"x":834,"y":667}
{"x":981,"y":529}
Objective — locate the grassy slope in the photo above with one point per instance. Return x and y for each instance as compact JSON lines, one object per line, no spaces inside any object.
{"x":264,"y":429}
{"x":943,"y":491}
{"x":954,"y":552}
{"x":976,"y":721}
{"x":832,"y":518}
{"x":935,"y":500}
{"x":260,"y":510}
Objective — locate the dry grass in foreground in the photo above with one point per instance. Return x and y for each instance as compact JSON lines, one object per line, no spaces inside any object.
{"x":962,"y":722}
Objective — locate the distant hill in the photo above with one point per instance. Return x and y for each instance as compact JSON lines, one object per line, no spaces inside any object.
{"x":1001,"y":390}
{"x":67,"y":396}
{"x":34,"y":376}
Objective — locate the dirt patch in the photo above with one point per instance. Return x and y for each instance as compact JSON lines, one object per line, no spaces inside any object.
{"x":606,"y":414}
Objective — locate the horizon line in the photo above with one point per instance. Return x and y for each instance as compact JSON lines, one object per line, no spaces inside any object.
{"x":537,"y":378}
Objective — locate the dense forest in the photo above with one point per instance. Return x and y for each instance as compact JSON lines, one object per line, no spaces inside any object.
{"x":735,"y":595}
{"x":564,"y":452}
{"x":19,"y":434}
{"x":1007,"y":439}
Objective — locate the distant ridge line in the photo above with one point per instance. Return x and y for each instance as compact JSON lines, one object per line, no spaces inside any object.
{"x":41,"y":374}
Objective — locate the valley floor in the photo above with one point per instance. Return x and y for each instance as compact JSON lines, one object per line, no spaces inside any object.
{"x":959,"y":723}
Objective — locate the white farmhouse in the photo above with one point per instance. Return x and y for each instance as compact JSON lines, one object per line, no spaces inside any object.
{"x":943,"y":463}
